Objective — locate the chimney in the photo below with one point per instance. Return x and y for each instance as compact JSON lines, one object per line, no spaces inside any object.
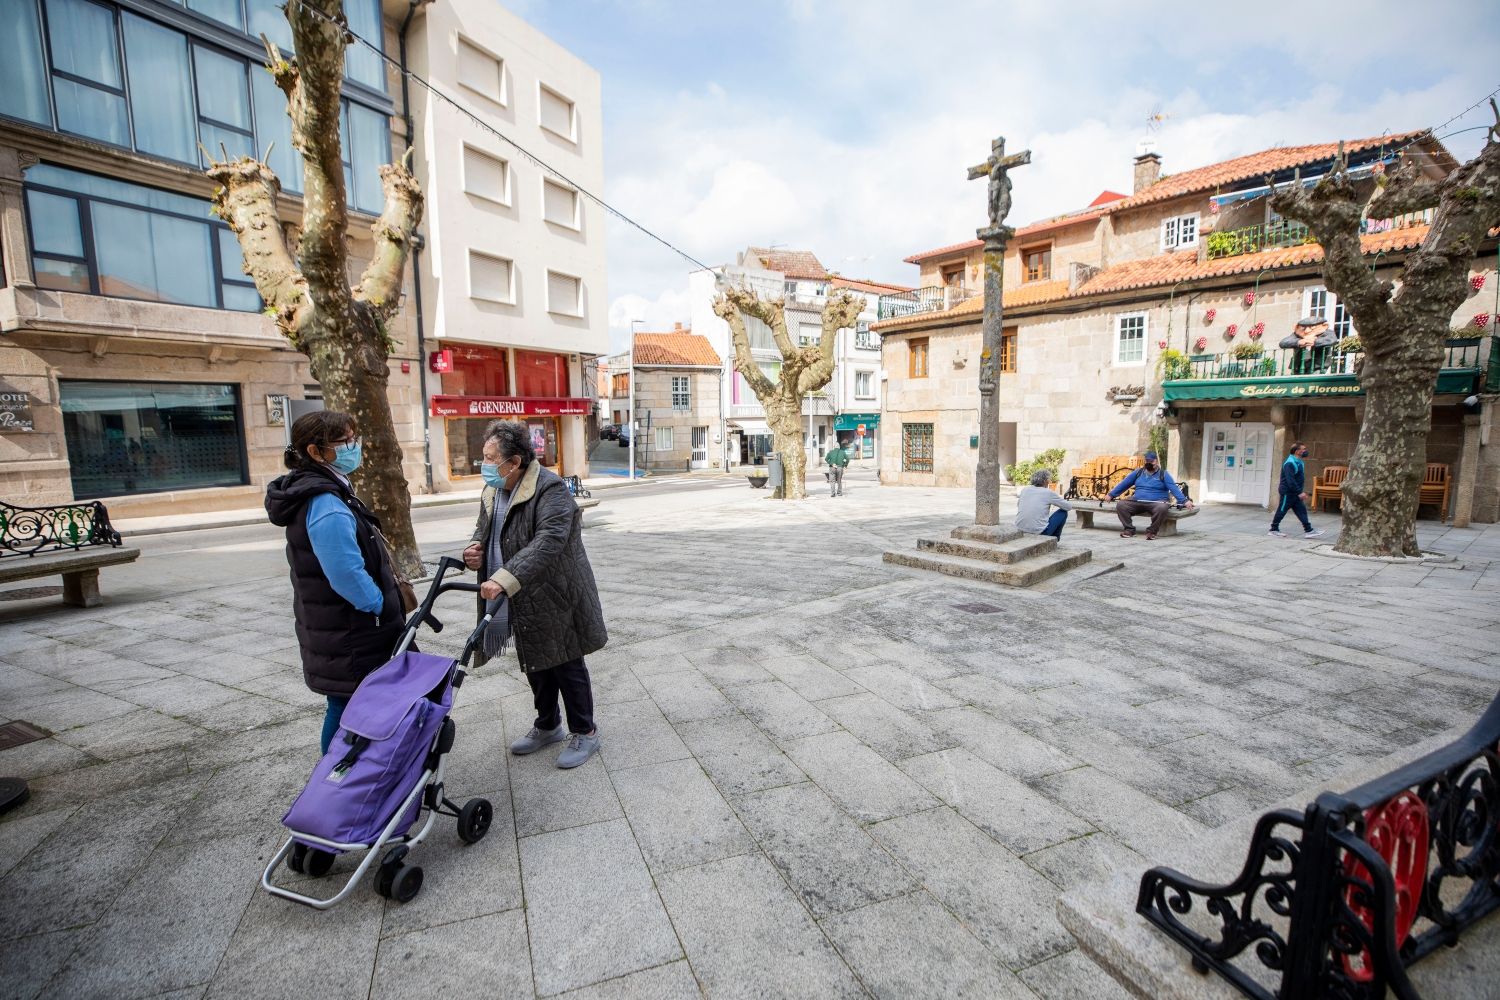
{"x":1147,"y":170}
{"x":676,"y":326}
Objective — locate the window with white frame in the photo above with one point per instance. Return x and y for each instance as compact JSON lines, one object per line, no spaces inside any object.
{"x":1179,"y":232}
{"x":558,"y":114}
{"x":864,"y":385}
{"x":491,"y":278}
{"x":789,"y":289}
{"x":1130,"y":339}
{"x":663,"y":439}
{"x":808,"y":334}
{"x":564,"y":294}
{"x":481,"y":72}
{"x":820,"y":289}
{"x":682,"y":393}
{"x":486,"y":176}
{"x":1325,"y":305}
{"x":559,"y":204}
{"x":864,"y":337}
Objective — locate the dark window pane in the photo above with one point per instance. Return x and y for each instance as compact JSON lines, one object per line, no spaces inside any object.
{"x":234,"y":143}
{"x":143,"y":437}
{"x":106,"y":187}
{"x":371,"y":143}
{"x":54,"y":224}
{"x":359,"y":62}
{"x":61,"y":275}
{"x":241,"y":298}
{"x":142,"y":255}
{"x":23,"y":77}
{"x":273,"y":130}
{"x":97,"y":114}
{"x":268,"y":19}
{"x":161,"y":89}
{"x":223,"y":92}
{"x":225,"y":11}
{"x":83,"y":41}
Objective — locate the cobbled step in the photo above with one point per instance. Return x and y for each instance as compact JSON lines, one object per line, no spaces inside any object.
{"x":1024,"y":573}
{"x":992,"y":533}
{"x":1011,"y":551}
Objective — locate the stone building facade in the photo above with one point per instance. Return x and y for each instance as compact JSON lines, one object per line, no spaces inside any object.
{"x":1164,"y":310}
{"x":679,"y":421}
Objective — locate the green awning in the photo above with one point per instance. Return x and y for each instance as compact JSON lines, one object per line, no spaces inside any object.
{"x":851,"y":421}
{"x":1449,"y":381}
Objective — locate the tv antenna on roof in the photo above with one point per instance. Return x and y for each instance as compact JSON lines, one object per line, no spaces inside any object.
{"x":1156,"y":119}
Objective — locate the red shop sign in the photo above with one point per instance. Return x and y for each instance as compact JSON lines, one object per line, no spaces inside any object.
{"x":441,"y":361}
{"x":508,"y":406}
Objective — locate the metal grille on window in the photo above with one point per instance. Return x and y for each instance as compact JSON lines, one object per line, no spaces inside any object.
{"x":681,"y":394}
{"x":916,"y":447}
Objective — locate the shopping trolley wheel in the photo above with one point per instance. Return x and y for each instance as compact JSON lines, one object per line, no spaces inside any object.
{"x":474,"y":820}
{"x":319,"y":863}
{"x":385,"y":876}
{"x":295,"y":860}
{"x":407,"y":883}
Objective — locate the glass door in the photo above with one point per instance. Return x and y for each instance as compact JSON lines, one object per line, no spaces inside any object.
{"x":1237,"y":462}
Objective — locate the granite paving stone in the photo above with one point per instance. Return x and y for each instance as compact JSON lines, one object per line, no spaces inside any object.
{"x":887,"y":730}
{"x":738,"y":756}
{"x":901,"y":688}
{"x":686,"y":696}
{"x":810,"y":677}
{"x":634,"y":733}
{"x":1070,"y":976}
{"x":678,"y":816}
{"x":484,"y":955}
{"x":781,"y":712}
{"x":626,"y":928}
{"x":998,"y":803}
{"x":1001,"y":744}
{"x":865,"y":784}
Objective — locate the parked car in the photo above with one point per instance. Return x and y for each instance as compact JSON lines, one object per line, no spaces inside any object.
{"x":609,"y":432}
{"x":623,"y":435}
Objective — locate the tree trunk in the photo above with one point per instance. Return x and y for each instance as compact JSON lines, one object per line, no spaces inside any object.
{"x":785,"y":420}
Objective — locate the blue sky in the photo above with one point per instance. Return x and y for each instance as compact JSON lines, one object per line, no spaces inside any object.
{"x":844,"y":127}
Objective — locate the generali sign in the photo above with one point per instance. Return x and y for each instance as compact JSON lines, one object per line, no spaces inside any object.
{"x":508,"y":406}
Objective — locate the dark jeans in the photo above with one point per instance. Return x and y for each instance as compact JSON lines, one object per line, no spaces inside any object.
{"x":1291,"y":502}
{"x":571,"y":680}
{"x":332,"y":717}
{"x":1156,"y":509}
{"x":1055,"y":524}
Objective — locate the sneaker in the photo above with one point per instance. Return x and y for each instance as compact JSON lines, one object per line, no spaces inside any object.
{"x":580,"y":748}
{"x":1150,"y":536}
{"x":538,"y":738}
{"x":1312,"y":533}
{"x":1128,"y":534}
{"x":1277,"y":533}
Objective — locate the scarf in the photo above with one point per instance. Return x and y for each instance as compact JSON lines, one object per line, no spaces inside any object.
{"x":497,"y":633}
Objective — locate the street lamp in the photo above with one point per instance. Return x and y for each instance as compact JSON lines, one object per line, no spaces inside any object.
{"x":630,"y":388}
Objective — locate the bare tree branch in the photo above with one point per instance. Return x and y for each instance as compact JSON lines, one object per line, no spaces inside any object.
{"x":245,"y":199}
{"x":840,"y":312}
{"x":727,"y":307}
{"x":1406,"y":189}
{"x":380,"y":285}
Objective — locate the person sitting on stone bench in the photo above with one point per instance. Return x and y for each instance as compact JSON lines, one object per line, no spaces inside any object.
{"x":1033,"y":502}
{"x":1153,"y":485}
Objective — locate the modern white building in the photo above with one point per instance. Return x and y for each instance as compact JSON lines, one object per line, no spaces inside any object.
{"x":857,"y":386}
{"x":513,"y":273}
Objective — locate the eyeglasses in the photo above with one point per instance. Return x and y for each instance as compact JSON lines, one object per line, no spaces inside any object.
{"x":356,"y":439}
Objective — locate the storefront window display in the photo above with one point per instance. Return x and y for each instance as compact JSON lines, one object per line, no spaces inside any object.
{"x":480,"y":384}
{"x":146,"y":437}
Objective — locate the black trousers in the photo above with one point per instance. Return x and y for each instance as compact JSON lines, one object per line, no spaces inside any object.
{"x":1291,"y":502}
{"x":571,"y":680}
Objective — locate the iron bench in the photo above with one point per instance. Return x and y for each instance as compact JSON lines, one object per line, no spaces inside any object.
{"x":71,"y":540}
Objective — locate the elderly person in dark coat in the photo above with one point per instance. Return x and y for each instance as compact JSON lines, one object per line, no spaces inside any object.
{"x":539,"y":588}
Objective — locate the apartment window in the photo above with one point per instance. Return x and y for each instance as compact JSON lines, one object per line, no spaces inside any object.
{"x":161,"y":93}
{"x":559,"y":204}
{"x":88,"y":83}
{"x":481,"y":72}
{"x":864,"y":337}
{"x":1008,"y":342}
{"x":564,"y":294}
{"x":491,"y":278}
{"x":682,"y":395}
{"x":820,"y":289}
{"x":23,"y":71}
{"x":663,"y":439}
{"x":916,"y":366}
{"x":102,"y":236}
{"x":360,"y":63}
{"x":1130,"y":339}
{"x":864,"y":385}
{"x":486,"y":176}
{"x":620,"y":385}
{"x":1179,"y":232}
{"x":953,"y":275}
{"x":809,"y":334}
{"x":789,"y":289}
{"x":1036,"y":263}
{"x":916,"y":447}
{"x":223,"y":104}
{"x":558,"y":114}
{"x":1325,"y":305}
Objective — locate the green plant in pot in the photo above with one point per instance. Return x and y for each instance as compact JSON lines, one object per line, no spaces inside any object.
{"x":1173,"y":364}
{"x":1020,"y":474}
{"x":1246,"y":351}
{"x":1350,"y":345}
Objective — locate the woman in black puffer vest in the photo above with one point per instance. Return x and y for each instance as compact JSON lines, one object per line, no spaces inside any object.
{"x":348,"y":609}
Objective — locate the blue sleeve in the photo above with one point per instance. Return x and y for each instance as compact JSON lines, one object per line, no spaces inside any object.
{"x":330,"y":528}
{"x":1172,"y":487}
{"x":1125,"y":484}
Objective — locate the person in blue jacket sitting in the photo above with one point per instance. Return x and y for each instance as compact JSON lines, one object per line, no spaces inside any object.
{"x":1153,"y":485}
{"x":1293,"y":494}
{"x":344,"y":592}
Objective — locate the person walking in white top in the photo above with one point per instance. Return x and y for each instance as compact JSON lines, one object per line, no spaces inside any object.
{"x":1033,"y":503}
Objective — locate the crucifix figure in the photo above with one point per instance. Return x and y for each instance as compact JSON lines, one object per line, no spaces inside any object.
{"x":997,"y":169}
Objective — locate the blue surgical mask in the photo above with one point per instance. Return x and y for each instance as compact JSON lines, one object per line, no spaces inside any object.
{"x":491,"y":475}
{"x":346,"y":457}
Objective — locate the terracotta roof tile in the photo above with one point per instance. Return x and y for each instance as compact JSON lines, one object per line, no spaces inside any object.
{"x":792,"y":263}
{"x":1030,"y":294}
{"x":1045,"y":225}
{"x":1251,"y":167}
{"x":861,"y":285}
{"x":678,"y":348}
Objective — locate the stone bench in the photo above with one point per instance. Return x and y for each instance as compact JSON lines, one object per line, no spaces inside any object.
{"x":79,"y":569}
{"x":1086,"y":509}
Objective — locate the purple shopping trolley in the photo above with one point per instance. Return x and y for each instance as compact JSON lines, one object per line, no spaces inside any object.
{"x":384,"y":768}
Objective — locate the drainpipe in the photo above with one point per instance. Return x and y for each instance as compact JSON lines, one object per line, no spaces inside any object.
{"x":416,"y":260}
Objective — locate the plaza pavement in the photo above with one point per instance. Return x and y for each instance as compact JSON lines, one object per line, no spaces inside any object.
{"x":821,"y":776}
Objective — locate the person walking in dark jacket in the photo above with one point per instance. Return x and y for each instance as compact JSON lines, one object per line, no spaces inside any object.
{"x":347,"y":606}
{"x":539,"y":589}
{"x":1293,"y":493}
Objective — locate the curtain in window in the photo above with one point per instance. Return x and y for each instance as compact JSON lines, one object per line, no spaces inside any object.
{"x":223,"y":104}
{"x":273,"y":129}
{"x":84,"y":46}
{"x":370,"y":146}
{"x":142,"y":255}
{"x":23,"y":77}
{"x":224,"y":11}
{"x":161,"y":89}
{"x":360,"y":64}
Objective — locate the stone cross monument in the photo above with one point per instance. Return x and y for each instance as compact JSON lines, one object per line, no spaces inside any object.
{"x":996,"y":235}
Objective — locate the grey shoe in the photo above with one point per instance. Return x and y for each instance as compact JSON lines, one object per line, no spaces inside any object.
{"x":538,"y":738}
{"x":580,"y":748}
{"x":1312,"y":533}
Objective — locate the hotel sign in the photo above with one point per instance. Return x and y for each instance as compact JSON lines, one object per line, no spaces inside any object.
{"x":1449,"y":381}
{"x":15,"y":412}
{"x":508,"y":406}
